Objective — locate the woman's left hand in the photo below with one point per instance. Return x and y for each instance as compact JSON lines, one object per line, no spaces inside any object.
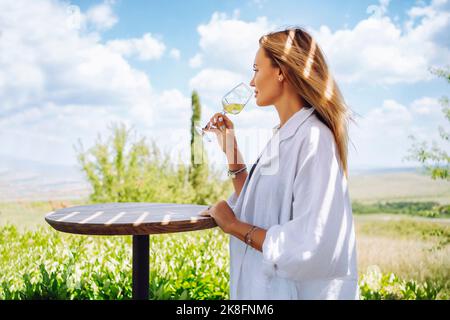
{"x":222,"y":214}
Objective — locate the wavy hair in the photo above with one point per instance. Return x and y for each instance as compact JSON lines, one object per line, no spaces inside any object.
{"x":303,"y":65}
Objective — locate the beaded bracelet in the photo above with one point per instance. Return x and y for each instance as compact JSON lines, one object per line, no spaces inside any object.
{"x":234,"y":173}
{"x":247,"y":238}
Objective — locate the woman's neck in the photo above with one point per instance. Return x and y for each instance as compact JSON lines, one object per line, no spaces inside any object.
{"x":287,"y":106}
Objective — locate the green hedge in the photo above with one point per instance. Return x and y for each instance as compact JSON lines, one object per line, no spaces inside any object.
{"x":45,"y":264}
{"x":425,"y":209}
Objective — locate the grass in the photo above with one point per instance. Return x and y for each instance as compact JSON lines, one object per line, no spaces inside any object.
{"x":28,"y":215}
{"x":410,"y":248}
{"x":46,"y":264}
{"x":410,"y":260}
{"x":195,"y":264}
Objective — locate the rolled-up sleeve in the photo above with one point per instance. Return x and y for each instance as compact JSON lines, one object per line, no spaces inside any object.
{"x":309,"y":245}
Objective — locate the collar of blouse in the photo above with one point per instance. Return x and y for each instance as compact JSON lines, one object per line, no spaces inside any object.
{"x":293,"y":123}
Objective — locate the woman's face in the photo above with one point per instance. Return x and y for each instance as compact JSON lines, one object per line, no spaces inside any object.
{"x":265,"y":80}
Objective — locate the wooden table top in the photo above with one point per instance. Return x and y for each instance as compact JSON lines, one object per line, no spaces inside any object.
{"x":125,"y":218}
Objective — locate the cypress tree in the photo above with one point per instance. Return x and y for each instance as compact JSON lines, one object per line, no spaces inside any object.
{"x":198,"y":170}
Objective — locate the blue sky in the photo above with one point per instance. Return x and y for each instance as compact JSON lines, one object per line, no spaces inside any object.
{"x":77,"y":66}
{"x":168,"y":20}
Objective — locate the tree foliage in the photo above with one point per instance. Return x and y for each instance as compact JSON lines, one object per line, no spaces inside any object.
{"x":124,"y":168}
{"x":434,"y":158}
{"x":199,"y":168}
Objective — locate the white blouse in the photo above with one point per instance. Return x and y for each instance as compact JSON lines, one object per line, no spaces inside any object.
{"x":298,"y":193}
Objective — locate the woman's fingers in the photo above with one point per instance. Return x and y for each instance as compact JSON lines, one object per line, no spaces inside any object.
{"x":215,"y":120}
{"x":205,"y":213}
{"x":223,"y":128}
{"x":228,"y":123}
{"x":212,"y":124}
{"x":211,"y":128}
{"x":221,"y":121}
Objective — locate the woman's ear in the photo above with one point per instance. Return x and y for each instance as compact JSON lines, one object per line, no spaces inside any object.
{"x":280,"y":75}
{"x":280,"y":78}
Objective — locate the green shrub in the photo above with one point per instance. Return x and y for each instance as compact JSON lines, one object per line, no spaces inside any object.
{"x":425,"y":209}
{"x":377,"y":286}
{"x":46,"y":264}
{"x":126,"y":169}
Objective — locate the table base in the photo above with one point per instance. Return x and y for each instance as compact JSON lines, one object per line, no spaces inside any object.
{"x":141,"y":267}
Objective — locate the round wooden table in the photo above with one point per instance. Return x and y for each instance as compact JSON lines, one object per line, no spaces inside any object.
{"x":136,"y":219}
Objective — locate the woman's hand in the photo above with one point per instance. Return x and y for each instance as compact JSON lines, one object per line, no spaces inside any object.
{"x":222,"y":214}
{"x":224,"y":132}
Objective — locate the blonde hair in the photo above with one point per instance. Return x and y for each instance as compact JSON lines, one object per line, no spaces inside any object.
{"x":303,"y":65}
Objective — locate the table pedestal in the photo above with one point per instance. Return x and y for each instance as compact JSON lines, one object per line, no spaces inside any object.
{"x":141,"y":267}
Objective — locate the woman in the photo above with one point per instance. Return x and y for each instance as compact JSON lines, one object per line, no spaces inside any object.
{"x":291,"y":218}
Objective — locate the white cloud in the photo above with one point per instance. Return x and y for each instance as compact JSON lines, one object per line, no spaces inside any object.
{"x":379,"y":51}
{"x":381,"y":136}
{"x":196,"y":61}
{"x":378,"y":10}
{"x":65,"y":84}
{"x":258,"y":3}
{"x":102,"y":16}
{"x":56,"y":63}
{"x":390,"y":115}
{"x":48,"y":133}
{"x":172,"y":110}
{"x":231,"y":43}
{"x":214,"y":83}
{"x":99,"y":17}
{"x":175,"y":53}
{"x":427,"y":106}
{"x":145,"y":48}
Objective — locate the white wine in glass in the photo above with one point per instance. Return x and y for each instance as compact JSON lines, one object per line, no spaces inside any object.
{"x":233,"y":108}
{"x":232,"y":102}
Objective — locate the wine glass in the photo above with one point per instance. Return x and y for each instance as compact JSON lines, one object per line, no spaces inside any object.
{"x":232,"y":102}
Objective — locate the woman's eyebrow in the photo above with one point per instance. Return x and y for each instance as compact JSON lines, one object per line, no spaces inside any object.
{"x":254,"y":64}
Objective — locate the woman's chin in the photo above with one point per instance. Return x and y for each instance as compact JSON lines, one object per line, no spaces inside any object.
{"x":258,"y":102}
{"x":261,"y":103}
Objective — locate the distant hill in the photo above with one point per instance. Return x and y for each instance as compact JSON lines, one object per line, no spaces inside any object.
{"x":30,"y":180}
{"x":376,"y":171}
{"x":400,"y":185}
